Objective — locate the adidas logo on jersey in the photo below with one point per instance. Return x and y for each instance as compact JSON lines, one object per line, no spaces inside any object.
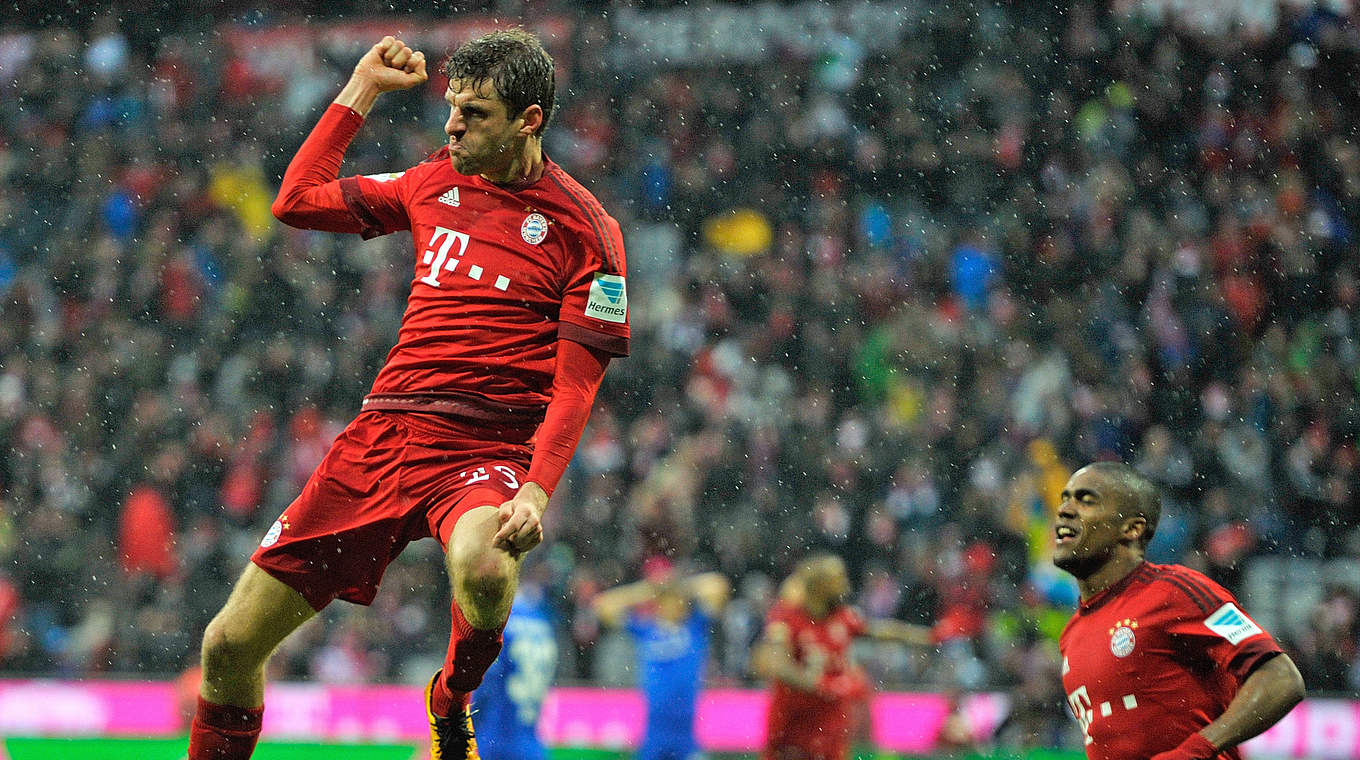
{"x":450,"y":197}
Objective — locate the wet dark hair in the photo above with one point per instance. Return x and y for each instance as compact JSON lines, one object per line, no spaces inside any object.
{"x":1140,"y":495}
{"x":514,"y":62}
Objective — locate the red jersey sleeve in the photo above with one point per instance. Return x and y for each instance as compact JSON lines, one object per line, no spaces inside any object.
{"x":779,"y":612}
{"x":1206,"y":622}
{"x":312,"y":197}
{"x":595,"y":299}
{"x":854,"y":622}
{"x":579,"y":370}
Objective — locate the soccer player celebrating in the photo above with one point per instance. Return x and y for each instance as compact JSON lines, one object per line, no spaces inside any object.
{"x":669,"y":619}
{"x":517,"y":304}
{"x":805,"y":652}
{"x":508,"y":702}
{"x":1158,"y":662}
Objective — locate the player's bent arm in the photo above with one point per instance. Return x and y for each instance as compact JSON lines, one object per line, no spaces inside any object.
{"x":773,"y":660}
{"x":711,"y":591}
{"x":612,"y":606}
{"x":309,"y":197}
{"x":896,"y":630}
{"x":1268,"y":694}
{"x":576,"y":380}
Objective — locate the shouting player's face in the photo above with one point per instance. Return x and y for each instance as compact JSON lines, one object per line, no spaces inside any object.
{"x":1089,"y":527}
{"x":481,"y":130}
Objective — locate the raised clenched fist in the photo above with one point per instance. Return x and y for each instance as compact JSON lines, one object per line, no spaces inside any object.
{"x":392,"y":65}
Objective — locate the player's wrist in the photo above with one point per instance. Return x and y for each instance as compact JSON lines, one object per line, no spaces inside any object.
{"x":359,"y":94}
{"x":535,"y":492}
{"x":1195,"y":747}
{"x":1198,"y":747}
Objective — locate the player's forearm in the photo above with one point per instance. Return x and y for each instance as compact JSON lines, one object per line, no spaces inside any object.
{"x":803,"y":679}
{"x":773,"y":663}
{"x":359,"y":93}
{"x":906,"y":633}
{"x":578,"y":373}
{"x":710,"y":590}
{"x":1267,"y":695}
{"x":627,"y":596}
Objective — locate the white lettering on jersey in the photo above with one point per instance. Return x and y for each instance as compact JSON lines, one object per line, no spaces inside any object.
{"x":1232,"y":624}
{"x":608,"y":299}
{"x":440,"y":260}
{"x":1080,"y":702}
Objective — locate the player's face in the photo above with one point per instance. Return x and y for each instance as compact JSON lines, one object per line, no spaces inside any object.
{"x":1088,"y":526}
{"x":480,"y":129}
{"x":832,"y":584}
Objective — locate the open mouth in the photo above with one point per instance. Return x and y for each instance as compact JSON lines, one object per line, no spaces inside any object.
{"x":1065,"y":534}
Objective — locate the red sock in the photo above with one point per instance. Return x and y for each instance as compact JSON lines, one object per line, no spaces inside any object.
{"x":471,"y":652}
{"x":224,"y":732}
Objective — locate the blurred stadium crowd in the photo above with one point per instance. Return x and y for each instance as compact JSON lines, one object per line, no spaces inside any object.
{"x":884,"y":300}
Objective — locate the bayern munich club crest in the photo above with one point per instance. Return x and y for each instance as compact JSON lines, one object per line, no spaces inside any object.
{"x":534,"y":230}
{"x":275,"y":530}
{"x":1122,"y":639}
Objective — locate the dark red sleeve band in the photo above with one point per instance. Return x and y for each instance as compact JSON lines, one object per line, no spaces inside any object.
{"x":614,"y":345}
{"x":1252,"y":656}
{"x":310,"y":196}
{"x":576,"y":380}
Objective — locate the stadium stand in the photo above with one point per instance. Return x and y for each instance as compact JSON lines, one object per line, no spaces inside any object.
{"x":886,"y":292}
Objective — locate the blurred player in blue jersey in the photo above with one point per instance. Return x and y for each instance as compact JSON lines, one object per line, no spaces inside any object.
{"x":669,"y":619}
{"x":508,"y":702}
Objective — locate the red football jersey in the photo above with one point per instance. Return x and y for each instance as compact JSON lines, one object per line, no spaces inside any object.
{"x":827,"y":640}
{"x":500,"y":273}
{"x":1154,"y":658}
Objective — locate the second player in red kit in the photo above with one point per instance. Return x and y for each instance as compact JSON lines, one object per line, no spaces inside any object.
{"x":518,"y":301}
{"x":805,"y":653}
{"x":1159,"y":661}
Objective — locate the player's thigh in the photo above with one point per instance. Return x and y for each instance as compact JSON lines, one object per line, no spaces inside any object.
{"x":471,"y":554}
{"x":260,"y":612}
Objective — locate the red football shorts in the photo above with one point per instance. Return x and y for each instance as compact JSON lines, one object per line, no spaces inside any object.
{"x":389,"y":479}
{"x":795,"y":734}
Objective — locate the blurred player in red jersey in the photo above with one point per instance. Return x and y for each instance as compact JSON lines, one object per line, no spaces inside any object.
{"x":805,"y":652}
{"x":1159,"y":661}
{"x":517,"y":304}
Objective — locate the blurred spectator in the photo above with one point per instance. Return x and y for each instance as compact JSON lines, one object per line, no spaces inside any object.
{"x":889,"y":283}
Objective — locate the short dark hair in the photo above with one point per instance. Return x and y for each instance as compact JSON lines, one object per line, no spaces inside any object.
{"x":514,"y":62}
{"x":1141,"y":495}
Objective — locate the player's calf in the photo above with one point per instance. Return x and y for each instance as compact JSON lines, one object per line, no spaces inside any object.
{"x":260,"y":613}
{"x":483,"y":580}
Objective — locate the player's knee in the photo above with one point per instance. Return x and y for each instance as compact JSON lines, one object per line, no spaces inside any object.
{"x":226,"y":648}
{"x":486,"y":579}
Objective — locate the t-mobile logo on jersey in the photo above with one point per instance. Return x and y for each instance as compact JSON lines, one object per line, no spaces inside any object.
{"x":1080,"y":702}
{"x":440,"y":258}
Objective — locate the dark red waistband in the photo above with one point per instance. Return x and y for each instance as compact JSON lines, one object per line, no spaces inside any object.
{"x":456,"y":405}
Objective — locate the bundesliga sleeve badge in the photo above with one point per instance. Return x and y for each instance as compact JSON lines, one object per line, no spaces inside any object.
{"x":608,"y":299}
{"x":1230,"y":623}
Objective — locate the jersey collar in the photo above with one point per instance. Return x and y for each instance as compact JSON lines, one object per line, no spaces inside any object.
{"x":522,"y":185}
{"x":1112,"y":590}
